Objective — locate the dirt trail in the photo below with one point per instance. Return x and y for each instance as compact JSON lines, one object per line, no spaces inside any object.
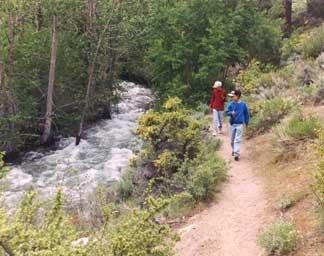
{"x":229,"y":227}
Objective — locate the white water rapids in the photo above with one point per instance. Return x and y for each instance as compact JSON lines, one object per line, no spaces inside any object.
{"x":78,"y":170}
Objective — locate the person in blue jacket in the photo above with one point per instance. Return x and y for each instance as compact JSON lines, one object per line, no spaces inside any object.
{"x":239,"y":115}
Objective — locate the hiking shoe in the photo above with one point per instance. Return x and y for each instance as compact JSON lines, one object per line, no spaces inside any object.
{"x":236,"y":158}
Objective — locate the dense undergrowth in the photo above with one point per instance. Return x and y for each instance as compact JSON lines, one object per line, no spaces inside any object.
{"x":177,"y":168}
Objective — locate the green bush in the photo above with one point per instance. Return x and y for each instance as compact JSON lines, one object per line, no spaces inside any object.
{"x":138,"y":233}
{"x":3,"y":169}
{"x":269,"y":113}
{"x":180,"y":205}
{"x":281,"y":238}
{"x":299,"y":128}
{"x":203,"y":108}
{"x":27,"y":235}
{"x":125,"y":185}
{"x":292,"y":45}
{"x":255,"y":76}
{"x":31,"y":232}
{"x":207,"y":172}
{"x":319,"y":174}
{"x":169,"y":137}
{"x":313,"y":45}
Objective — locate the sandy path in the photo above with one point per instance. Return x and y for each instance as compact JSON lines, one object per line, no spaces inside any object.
{"x":230,"y":227}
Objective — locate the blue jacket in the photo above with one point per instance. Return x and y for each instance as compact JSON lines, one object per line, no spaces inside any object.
{"x":241,"y":112}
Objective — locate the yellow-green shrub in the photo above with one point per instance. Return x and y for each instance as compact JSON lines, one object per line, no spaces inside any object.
{"x":135,"y":233}
{"x":319,"y":174}
{"x":169,"y":136}
{"x":255,"y":76}
{"x":139,"y":234}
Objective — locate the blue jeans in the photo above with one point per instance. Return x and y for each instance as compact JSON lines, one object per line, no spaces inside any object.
{"x":218,"y":119}
{"x":236,"y":133}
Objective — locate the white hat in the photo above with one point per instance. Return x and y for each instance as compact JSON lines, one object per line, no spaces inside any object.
{"x":217,"y":84}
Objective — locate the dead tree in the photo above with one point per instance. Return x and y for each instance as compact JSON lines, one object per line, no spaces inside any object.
{"x":50,"y":88}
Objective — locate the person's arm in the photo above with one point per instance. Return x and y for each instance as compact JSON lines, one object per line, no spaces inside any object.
{"x":212,"y":99}
{"x":246,"y":115}
{"x":229,"y":110}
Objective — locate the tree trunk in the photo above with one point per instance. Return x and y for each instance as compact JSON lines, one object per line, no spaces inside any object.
{"x":288,"y":15}
{"x":11,"y":48}
{"x":89,"y":85}
{"x":50,"y":89}
{"x":11,"y":103}
{"x":90,"y":33}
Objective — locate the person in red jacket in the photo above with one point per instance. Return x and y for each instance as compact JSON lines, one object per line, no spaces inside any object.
{"x":217,"y":103}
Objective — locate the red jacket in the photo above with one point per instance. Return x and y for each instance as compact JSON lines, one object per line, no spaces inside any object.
{"x":218,"y":99}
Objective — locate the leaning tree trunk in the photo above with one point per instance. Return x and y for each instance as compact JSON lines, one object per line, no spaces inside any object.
{"x":89,"y":86}
{"x":11,"y":48}
{"x":50,"y":89}
{"x":11,"y":103}
{"x":288,"y":15}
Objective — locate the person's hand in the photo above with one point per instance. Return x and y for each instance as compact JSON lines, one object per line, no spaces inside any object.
{"x":233,"y":113}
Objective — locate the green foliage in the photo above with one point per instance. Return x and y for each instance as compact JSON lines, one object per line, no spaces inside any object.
{"x":175,"y":161}
{"x":209,"y":171}
{"x":313,"y":44}
{"x":319,"y":174}
{"x":200,"y":40}
{"x":180,"y":205}
{"x":269,"y":113}
{"x":255,"y":76}
{"x":203,"y":109}
{"x":292,"y":45}
{"x":299,"y":128}
{"x":75,"y":51}
{"x":138,"y":233}
{"x":31,"y":232}
{"x":25,"y":235}
{"x":125,"y":186}
{"x":281,"y":238}
{"x":3,"y":169}
{"x":170,"y":137}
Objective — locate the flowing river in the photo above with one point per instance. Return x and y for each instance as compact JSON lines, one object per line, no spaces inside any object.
{"x":79,"y":170}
